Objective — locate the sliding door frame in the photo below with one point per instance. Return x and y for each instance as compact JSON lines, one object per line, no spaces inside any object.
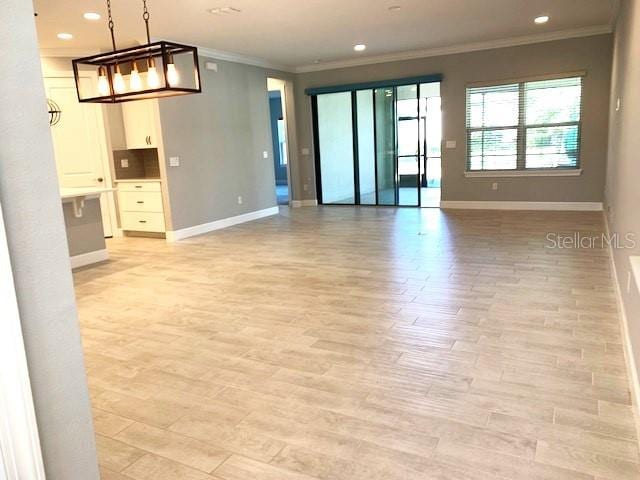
{"x":356,"y":153}
{"x":353,"y":89}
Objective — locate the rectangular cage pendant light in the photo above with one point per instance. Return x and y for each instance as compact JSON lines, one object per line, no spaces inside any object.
{"x":155,"y":70}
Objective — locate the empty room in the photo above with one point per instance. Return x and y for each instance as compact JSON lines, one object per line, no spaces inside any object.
{"x":319,"y":240}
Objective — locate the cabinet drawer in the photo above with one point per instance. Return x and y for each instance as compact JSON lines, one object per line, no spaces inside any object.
{"x":139,"y":187}
{"x":142,"y":221}
{"x":140,"y":201}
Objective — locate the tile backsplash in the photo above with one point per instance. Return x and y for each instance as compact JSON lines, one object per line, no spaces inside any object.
{"x":143,"y":163}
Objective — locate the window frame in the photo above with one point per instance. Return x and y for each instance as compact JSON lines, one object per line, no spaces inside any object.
{"x":521,"y":128}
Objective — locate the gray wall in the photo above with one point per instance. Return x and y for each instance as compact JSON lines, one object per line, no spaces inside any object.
{"x":623,"y":169}
{"x":592,"y":54}
{"x":219,"y":136}
{"x":84,"y":234}
{"x":39,"y":255}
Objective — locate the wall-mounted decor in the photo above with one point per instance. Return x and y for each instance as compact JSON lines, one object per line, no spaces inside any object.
{"x":54,"y":112}
{"x":155,"y":70}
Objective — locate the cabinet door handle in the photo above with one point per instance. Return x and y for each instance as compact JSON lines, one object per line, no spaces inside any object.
{"x":140,"y":201}
{"x":142,"y":221}
{"x":149,"y":139}
{"x":138,"y":186}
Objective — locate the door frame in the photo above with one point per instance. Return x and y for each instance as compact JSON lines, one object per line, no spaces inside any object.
{"x":20,"y":453}
{"x":288,"y":116}
{"x":116,"y":231}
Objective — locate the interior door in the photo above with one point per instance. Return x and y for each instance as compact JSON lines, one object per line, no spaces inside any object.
{"x":79,"y":141}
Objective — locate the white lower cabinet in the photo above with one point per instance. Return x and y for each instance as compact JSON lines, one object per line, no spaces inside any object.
{"x":140,"y":205}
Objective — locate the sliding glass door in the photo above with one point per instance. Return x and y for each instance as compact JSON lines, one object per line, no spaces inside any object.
{"x":375,"y":146}
{"x":385,"y":146}
{"x":408,"y":148}
{"x":365,"y":126}
{"x":336,"y":148}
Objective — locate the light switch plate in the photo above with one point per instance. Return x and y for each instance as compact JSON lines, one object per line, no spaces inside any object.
{"x":174,"y":161}
{"x":124,"y":163}
{"x":451,"y":144}
{"x":265,"y":154}
{"x":305,"y":151}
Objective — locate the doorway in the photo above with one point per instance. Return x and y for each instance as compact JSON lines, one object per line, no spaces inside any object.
{"x":277,"y":113}
{"x":80,"y":144}
{"x":379,"y":146}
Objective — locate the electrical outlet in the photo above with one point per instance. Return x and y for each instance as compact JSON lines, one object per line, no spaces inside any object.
{"x":124,"y":163}
{"x":211,"y":66}
{"x":305,"y":151}
{"x":239,"y":199}
{"x":265,"y":154}
{"x":305,"y":187}
{"x":451,"y":144}
{"x":494,"y":186}
{"x":174,"y":161}
{"x":618,"y":104}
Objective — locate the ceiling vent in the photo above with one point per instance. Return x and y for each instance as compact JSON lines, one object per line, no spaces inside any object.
{"x":224,"y":10}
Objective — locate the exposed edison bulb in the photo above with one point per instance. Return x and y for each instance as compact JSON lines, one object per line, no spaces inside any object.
{"x":153,"y":80}
{"x":172,"y":75}
{"x":134,"y":80}
{"x":118,"y":81}
{"x":103,"y":83}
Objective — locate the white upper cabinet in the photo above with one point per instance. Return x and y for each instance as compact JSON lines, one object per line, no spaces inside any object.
{"x":140,"y":124}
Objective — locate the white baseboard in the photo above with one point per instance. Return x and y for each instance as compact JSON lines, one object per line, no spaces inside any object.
{"x":89,"y":258}
{"x":497,"y":205}
{"x":630,"y":361}
{"x":175,"y":235}
{"x":304,"y":203}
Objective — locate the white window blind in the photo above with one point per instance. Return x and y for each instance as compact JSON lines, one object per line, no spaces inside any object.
{"x":525,"y":125}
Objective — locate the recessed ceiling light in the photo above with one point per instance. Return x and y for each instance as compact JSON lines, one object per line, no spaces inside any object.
{"x":65,"y":36}
{"x":360,"y":47}
{"x":91,"y":16}
{"x":541,"y":19}
{"x":394,"y":8}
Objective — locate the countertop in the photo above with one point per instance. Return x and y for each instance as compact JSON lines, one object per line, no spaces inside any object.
{"x":68,"y":193}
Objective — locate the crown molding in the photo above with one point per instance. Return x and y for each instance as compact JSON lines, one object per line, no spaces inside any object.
{"x":244,"y":59}
{"x":68,"y":52}
{"x":391,"y":57}
{"x":235,"y":57}
{"x":462,"y":48}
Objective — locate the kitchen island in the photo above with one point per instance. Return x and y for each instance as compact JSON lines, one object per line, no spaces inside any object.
{"x":83,"y":221}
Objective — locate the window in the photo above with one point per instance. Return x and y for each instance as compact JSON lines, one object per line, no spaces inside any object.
{"x":526,"y":125}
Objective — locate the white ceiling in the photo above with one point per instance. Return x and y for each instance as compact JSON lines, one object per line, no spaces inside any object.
{"x":299,"y":33}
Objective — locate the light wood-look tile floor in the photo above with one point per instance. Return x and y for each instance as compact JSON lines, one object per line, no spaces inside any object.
{"x":360,"y":343}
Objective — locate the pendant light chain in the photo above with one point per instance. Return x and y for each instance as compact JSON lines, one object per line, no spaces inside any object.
{"x":145,"y":17}
{"x":113,"y":37}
